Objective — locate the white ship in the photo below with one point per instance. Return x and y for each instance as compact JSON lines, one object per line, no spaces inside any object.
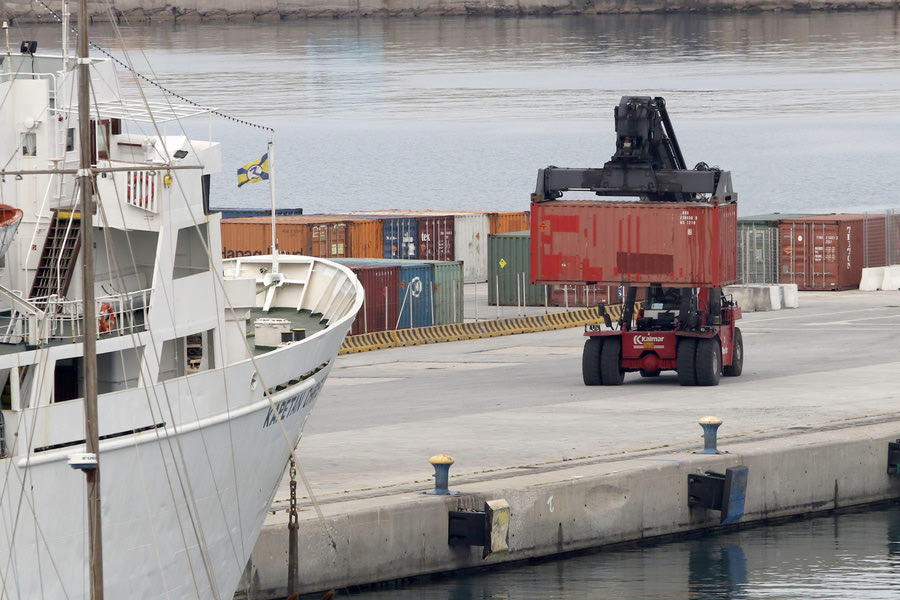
{"x":206,"y":370}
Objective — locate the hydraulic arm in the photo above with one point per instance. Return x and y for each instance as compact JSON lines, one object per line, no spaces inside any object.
{"x":647,"y":163}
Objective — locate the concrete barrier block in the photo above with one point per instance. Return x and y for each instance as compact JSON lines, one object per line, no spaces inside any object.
{"x":872,"y":279}
{"x":743,"y":296}
{"x":766,"y":297}
{"x":790,"y":297}
{"x":776,"y":299}
{"x":891,"y":280}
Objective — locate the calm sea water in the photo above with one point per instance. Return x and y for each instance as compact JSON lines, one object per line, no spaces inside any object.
{"x":461,"y":113}
{"x":845,"y":557}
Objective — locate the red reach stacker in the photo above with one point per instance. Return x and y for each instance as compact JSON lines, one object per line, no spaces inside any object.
{"x":670,"y":251}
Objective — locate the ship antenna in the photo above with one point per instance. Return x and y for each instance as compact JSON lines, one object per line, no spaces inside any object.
{"x":65,"y":35}
{"x":8,"y":57}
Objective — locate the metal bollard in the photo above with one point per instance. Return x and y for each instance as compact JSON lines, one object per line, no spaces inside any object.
{"x":441,"y":475}
{"x":710,"y":426}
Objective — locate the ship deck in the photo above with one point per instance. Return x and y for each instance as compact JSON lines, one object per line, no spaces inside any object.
{"x":304,"y":319}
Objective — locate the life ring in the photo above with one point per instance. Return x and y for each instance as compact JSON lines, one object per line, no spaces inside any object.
{"x":137,"y":182}
{"x":107,"y":318}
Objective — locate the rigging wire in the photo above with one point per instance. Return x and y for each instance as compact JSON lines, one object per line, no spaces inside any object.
{"x":153,"y":82}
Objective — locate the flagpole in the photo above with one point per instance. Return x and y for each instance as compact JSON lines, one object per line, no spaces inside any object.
{"x":271,"y":162}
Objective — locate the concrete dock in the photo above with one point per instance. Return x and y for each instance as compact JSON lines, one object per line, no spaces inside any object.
{"x":580,"y":467}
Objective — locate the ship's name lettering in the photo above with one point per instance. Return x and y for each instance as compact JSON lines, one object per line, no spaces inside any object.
{"x":290,"y":406}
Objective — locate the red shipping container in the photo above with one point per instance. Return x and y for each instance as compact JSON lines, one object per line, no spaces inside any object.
{"x":436,"y":237}
{"x":578,"y":295}
{"x":381,"y":308}
{"x":692,"y":244}
{"x":829,"y":252}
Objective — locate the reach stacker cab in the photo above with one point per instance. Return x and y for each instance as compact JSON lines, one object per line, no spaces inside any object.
{"x":676,"y":245}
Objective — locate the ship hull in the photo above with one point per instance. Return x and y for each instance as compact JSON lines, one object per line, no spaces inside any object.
{"x":182,"y":506}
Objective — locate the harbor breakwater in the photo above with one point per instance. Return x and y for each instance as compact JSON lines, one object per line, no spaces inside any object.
{"x":133,"y":11}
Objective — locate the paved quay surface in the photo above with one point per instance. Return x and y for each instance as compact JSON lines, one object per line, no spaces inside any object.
{"x":810,"y":416}
{"x":518,"y":402}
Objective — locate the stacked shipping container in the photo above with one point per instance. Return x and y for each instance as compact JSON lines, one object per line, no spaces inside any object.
{"x":427,"y":235}
{"x":509,"y":278}
{"x":420,"y":294}
{"x":757,"y":247}
{"x":320,"y":236}
{"x":829,"y":252}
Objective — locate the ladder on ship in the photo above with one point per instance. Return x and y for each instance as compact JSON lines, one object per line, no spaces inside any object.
{"x":58,"y":258}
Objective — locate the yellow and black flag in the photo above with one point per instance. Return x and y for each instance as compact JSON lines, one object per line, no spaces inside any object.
{"x":258,"y":170}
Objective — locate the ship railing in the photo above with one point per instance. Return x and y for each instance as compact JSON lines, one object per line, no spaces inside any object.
{"x":53,"y":318}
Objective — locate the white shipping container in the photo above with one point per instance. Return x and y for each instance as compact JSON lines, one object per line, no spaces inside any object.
{"x":470,"y":241}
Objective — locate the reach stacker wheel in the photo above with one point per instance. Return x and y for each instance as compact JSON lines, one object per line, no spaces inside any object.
{"x":686,"y":357}
{"x":590,"y":361}
{"x":611,"y":372}
{"x":708,"y":361}
{"x":737,"y":356}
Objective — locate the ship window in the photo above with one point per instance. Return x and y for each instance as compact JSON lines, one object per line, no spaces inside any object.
{"x":103,"y":140}
{"x":173,"y":362}
{"x":68,"y":379}
{"x":70,"y":139}
{"x":186,"y":355}
{"x":199,"y":355}
{"x":26,"y":378}
{"x":118,"y":370}
{"x":29,"y":144}
{"x":190,"y":251}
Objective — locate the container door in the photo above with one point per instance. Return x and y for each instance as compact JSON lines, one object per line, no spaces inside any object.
{"x":380,"y":309}
{"x":337,"y":240}
{"x":400,"y":238}
{"x":435,"y":238}
{"x":825,"y":265}
{"x":793,"y":254}
{"x":416,"y":296}
{"x":448,"y":292}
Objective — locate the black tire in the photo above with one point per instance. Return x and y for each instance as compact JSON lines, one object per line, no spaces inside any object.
{"x":686,"y":359}
{"x":737,"y":356}
{"x":590,"y":360}
{"x":646,"y":373}
{"x":611,"y":371}
{"x":709,"y":361}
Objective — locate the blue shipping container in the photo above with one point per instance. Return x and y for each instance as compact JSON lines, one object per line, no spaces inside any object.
{"x":401,"y":236}
{"x":416,"y":295}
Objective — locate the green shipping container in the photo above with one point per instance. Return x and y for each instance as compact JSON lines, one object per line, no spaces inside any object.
{"x":449,"y":297}
{"x":509,"y":271}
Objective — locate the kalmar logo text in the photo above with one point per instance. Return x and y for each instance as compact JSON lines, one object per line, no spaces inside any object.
{"x":640,"y":339}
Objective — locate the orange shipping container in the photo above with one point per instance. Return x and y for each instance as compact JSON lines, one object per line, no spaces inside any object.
{"x":246,"y":237}
{"x":324,"y":237}
{"x":508,"y":222}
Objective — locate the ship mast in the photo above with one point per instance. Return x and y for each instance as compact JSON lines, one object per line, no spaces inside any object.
{"x":91,"y":430}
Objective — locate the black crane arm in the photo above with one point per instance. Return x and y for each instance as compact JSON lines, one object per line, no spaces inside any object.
{"x":648,"y":163}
